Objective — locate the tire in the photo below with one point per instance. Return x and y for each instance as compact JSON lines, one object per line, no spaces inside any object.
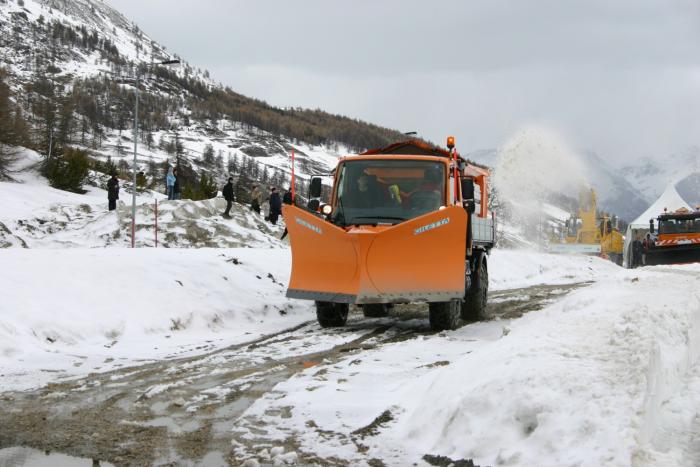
{"x":444,"y":315}
{"x":474,"y":304}
{"x":332,"y":315}
{"x":375,"y":310}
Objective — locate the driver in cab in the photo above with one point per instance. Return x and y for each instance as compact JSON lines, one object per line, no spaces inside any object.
{"x":365,"y":193}
{"x":425,"y":197}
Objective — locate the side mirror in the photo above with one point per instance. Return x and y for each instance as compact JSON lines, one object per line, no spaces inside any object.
{"x":468,"y":195}
{"x":315,"y":187}
{"x":651,"y":225}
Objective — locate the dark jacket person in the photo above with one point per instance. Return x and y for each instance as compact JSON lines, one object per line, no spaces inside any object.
{"x":275,"y":206}
{"x":287,"y":198}
{"x":113,"y":192}
{"x":228,"y":196}
{"x":176,"y":185}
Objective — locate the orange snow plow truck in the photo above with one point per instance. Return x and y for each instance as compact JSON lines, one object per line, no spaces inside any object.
{"x":406,"y":223}
{"x":677,"y":239}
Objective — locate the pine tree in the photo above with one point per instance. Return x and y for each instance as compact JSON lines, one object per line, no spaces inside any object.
{"x":208,"y":156}
{"x":67,"y":171}
{"x":207,"y":187}
{"x":110,"y":168}
{"x":13,"y":129}
{"x":220,"y":161}
{"x":233,"y":164}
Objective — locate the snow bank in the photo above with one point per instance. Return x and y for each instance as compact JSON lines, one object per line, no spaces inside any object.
{"x":510,"y":269}
{"x":607,"y":376}
{"x":580,"y":383}
{"x":69,"y":312}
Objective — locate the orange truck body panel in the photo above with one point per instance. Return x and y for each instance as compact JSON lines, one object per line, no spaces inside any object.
{"x":419,"y":260}
{"x":677,"y":238}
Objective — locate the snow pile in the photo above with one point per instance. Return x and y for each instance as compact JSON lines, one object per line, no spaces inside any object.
{"x":74,"y":311}
{"x":510,"y":269}
{"x":607,"y":376}
{"x":582,"y":382}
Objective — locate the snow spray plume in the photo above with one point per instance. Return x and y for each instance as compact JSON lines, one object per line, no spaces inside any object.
{"x":532,"y":166}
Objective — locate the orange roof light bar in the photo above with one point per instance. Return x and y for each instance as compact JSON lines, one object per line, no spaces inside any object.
{"x":450,"y":142}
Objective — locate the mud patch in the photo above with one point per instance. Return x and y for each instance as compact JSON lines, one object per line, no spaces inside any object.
{"x":373,"y":428}
{"x":444,"y":461}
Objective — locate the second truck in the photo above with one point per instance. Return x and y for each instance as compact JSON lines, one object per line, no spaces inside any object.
{"x":405,"y":223}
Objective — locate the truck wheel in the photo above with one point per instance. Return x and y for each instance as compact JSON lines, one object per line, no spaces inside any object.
{"x":444,"y":315}
{"x":375,"y":310}
{"x":331,"y":315}
{"x":474,"y":304}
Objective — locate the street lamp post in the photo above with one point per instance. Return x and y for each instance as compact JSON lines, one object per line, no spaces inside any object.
{"x":136,"y":141}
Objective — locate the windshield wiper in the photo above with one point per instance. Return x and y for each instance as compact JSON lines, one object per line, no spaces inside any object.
{"x":378,"y":219}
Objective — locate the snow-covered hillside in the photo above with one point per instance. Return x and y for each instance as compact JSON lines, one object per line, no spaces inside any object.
{"x":71,"y":65}
{"x":652,"y":176}
{"x":34,"y":215}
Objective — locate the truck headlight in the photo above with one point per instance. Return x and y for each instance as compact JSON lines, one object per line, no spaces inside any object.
{"x":327,"y":209}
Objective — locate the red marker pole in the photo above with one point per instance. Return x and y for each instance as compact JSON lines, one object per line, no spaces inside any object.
{"x":293,"y":181}
{"x":454,"y":161}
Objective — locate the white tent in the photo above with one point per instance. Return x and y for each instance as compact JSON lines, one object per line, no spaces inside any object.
{"x":669,"y":200}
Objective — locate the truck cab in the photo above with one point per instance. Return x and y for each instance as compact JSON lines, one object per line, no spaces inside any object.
{"x":677,"y":239}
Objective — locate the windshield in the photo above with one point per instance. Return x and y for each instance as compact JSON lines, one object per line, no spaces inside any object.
{"x":388,"y":191}
{"x":679,"y":226}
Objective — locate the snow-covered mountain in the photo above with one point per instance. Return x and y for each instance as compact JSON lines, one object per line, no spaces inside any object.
{"x":682,"y":169}
{"x":615,"y":192}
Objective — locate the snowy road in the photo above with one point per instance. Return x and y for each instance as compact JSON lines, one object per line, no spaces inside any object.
{"x":201,"y":360}
{"x":183,"y":409}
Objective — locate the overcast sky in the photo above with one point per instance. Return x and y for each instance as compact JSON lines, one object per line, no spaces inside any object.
{"x":621,"y":77}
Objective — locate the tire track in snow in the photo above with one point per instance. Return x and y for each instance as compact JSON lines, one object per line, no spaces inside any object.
{"x":183,"y":409}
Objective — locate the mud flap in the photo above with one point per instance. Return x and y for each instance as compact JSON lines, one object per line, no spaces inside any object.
{"x":417,"y":260}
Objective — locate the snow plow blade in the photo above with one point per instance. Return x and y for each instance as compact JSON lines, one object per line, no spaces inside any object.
{"x":419,"y":260}
{"x":678,"y":254}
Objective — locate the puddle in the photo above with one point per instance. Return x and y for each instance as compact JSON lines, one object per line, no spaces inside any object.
{"x":27,"y":457}
{"x":213,"y":459}
{"x":173,"y":426}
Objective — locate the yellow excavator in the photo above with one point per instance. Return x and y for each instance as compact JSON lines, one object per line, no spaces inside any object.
{"x":590,"y":233}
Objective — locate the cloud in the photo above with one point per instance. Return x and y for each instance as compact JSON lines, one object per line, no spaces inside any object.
{"x":621,"y":78}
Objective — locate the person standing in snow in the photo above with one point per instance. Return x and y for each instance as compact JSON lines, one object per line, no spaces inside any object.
{"x":176,"y":185}
{"x":113,"y":192}
{"x":636,"y":252}
{"x":287,"y":197}
{"x":255,"y":199}
{"x":275,"y":205}
{"x":228,"y":196}
{"x":646,"y":244}
{"x":169,"y":183}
